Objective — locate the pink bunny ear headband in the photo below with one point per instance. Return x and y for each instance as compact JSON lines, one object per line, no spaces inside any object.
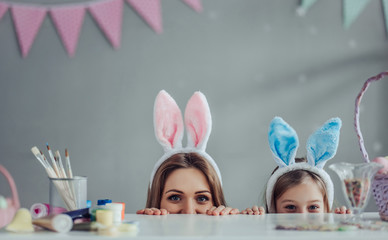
{"x":168,"y":125}
{"x":321,"y":147}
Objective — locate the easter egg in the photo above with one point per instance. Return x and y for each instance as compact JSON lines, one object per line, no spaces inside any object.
{"x":383,"y":161}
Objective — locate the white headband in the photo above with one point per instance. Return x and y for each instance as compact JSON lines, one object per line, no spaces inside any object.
{"x":321,"y":147}
{"x":168,"y":124}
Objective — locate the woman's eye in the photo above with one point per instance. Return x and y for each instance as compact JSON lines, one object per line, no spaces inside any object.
{"x":174,"y":198}
{"x":290,"y":207}
{"x":202,"y":199}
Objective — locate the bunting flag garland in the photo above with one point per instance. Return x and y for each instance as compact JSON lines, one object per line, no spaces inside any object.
{"x":194,"y":4}
{"x":304,"y":6}
{"x":27,"y":22}
{"x":68,"y":21}
{"x":3,"y":9}
{"x":352,"y":9}
{"x":108,"y":15}
{"x":150,"y":10}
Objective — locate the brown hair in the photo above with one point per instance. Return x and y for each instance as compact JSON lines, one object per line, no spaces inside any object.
{"x":294,"y":178}
{"x":184,"y":160}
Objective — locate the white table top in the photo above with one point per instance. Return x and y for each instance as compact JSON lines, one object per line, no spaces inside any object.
{"x":221,"y":227}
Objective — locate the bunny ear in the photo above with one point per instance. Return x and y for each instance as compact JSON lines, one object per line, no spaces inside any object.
{"x":322,"y":144}
{"x":168,"y":121}
{"x":283,"y":142}
{"x":198,"y":121}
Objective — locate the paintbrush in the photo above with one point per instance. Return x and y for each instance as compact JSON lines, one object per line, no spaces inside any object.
{"x":55,"y":166}
{"x":68,"y":166}
{"x":44,"y":163}
{"x":60,"y":164}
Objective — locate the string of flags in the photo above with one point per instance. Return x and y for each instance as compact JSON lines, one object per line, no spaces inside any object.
{"x":108,"y":14}
{"x":68,"y":19}
{"x":351,"y":10}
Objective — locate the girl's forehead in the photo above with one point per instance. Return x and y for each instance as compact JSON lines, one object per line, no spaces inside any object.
{"x":305,"y":191}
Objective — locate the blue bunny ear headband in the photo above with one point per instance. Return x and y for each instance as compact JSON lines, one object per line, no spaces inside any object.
{"x":321,"y":147}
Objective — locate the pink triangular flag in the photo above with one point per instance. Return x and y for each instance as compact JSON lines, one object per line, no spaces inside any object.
{"x":150,"y":11}
{"x":68,"y":21}
{"x":3,"y":9}
{"x":194,"y":4}
{"x":27,"y":22}
{"x":109,"y":16}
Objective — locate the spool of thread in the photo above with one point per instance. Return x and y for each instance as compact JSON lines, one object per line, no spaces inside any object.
{"x":116,"y":209}
{"x":105,"y":217}
{"x":39,"y":210}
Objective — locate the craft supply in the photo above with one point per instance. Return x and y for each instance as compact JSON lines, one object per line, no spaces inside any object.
{"x":123,"y":210}
{"x":69,"y":193}
{"x":61,"y":168}
{"x":68,"y":165}
{"x":61,"y":223}
{"x":39,"y":210}
{"x":53,"y":162}
{"x":116,"y":209}
{"x":100,"y":205}
{"x":101,"y":202}
{"x":87,"y":226}
{"x":22,"y":222}
{"x":316,"y":227}
{"x":79,"y":213}
{"x":105,"y":217}
{"x":110,"y":231}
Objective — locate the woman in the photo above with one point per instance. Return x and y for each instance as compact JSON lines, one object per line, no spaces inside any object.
{"x":184,"y":180}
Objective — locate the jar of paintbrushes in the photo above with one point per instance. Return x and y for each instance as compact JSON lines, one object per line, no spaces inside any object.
{"x":66,"y":192}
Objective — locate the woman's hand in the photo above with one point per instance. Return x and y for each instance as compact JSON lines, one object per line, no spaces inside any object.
{"x":222,"y":210}
{"x":153,"y":211}
{"x":342,"y":210}
{"x":255,"y":210}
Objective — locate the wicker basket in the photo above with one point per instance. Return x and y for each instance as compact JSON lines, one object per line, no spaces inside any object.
{"x":6,"y":214}
{"x":380,"y":193}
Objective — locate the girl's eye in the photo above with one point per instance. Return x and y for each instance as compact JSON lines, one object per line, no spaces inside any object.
{"x":290,"y":207}
{"x":314,"y":207}
{"x":202,"y":199}
{"x":174,"y":198}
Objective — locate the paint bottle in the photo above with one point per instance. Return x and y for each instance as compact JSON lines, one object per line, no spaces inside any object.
{"x":116,"y":209}
{"x":100,"y":205}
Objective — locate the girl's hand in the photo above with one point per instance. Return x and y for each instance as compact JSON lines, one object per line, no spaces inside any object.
{"x":222,"y":210}
{"x":255,"y":210}
{"x":342,"y":210}
{"x":152,"y":211}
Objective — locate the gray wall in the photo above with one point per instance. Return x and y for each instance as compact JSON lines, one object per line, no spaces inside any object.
{"x":253,"y":59}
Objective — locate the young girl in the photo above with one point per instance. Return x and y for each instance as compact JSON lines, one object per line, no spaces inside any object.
{"x":184,"y":180}
{"x":297,"y":185}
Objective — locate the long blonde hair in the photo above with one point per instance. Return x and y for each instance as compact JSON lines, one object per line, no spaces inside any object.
{"x":184,"y":160}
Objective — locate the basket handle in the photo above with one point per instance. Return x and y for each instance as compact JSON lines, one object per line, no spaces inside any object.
{"x":12,"y":185}
{"x":357,"y":113}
